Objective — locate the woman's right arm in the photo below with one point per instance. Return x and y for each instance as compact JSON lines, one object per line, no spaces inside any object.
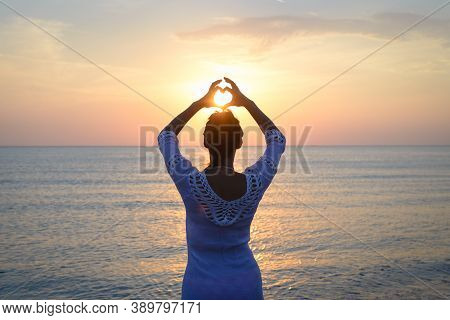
{"x":240,"y":100}
{"x":266,"y":166}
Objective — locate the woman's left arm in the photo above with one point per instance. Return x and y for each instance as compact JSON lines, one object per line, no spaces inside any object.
{"x":178,"y":166}
{"x":177,"y":124}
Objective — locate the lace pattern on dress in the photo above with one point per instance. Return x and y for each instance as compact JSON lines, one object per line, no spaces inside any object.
{"x":274,"y":135}
{"x":173,"y":163}
{"x":166,"y":135}
{"x":270,"y":165}
{"x":220,"y":211}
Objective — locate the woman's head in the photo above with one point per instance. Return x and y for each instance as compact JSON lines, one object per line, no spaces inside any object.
{"x":223,"y":133}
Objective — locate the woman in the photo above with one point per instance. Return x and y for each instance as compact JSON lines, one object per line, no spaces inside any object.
{"x":220,"y":202}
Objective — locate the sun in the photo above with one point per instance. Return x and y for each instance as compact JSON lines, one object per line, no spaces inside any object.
{"x":222,"y":98}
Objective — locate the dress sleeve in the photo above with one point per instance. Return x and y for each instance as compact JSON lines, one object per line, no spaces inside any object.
{"x":178,"y":166}
{"x":266,"y":166}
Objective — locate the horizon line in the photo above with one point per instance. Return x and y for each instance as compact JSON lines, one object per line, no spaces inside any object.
{"x":307,"y":145}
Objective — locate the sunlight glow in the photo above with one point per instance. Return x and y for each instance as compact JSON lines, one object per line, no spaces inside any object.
{"x":222,"y":98}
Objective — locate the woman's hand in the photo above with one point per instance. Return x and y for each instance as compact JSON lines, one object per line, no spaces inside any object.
{"x":208,"y":100}
{"x":239,"y":99}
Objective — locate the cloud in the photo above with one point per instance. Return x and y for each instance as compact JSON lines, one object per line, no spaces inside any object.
{"x":121,"y":5}
{"x":20,"y":38}
{"x":29,"y":57}
{"x":271,"y":30}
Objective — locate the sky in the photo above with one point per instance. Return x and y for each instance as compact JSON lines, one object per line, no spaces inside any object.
{"x":278,"y":52}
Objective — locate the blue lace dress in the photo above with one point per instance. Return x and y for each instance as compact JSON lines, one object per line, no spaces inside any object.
{"x":220,"y":262}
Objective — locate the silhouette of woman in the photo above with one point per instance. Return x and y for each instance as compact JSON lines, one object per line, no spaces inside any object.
{"x":220,"y":202}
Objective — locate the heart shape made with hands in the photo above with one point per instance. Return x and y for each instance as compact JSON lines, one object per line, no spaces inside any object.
{"x":222,"y":98}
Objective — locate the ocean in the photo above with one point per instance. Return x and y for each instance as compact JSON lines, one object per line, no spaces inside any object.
{"x":337,"y":223}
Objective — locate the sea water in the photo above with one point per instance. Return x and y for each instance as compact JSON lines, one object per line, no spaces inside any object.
{"x":337,"y":223}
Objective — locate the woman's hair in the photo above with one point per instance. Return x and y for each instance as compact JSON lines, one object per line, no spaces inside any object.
{"x":223,"y":132}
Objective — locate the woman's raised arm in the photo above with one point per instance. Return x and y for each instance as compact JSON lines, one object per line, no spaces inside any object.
{"x":240,"y":100}
{"x":266,"y":166}
{"x":178,"y":123}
